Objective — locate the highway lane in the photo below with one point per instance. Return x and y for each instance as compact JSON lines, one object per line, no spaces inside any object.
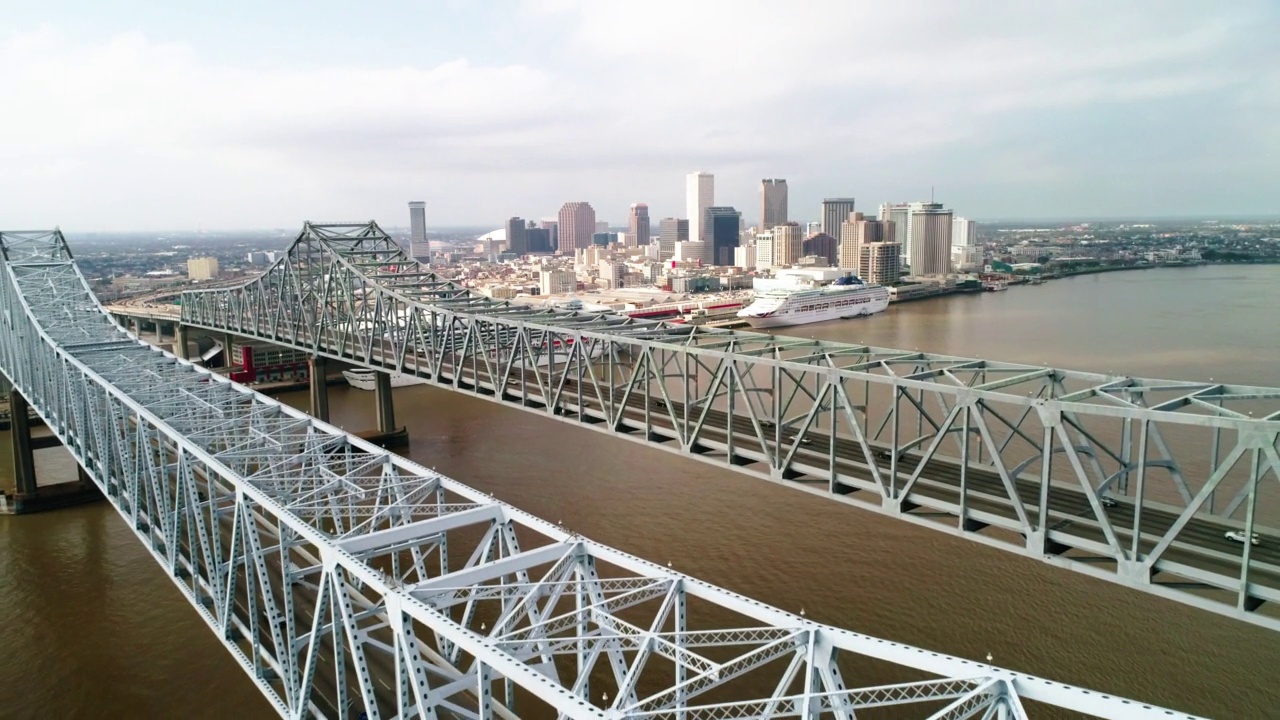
{"x":1201,"y":546}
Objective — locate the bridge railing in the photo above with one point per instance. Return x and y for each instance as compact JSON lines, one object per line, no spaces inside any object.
{"x":345,"y":580}
{"x":1149,"y":483}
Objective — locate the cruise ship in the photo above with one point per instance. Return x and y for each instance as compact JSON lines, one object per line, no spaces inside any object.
{"x":364,"y":379}
{"x":846,"y":297}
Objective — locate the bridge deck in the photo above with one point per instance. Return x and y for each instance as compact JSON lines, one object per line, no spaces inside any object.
{"x":1138,"y":481}
{"x":343,"y":578}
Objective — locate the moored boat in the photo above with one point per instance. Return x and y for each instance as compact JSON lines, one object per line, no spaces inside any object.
{"x":364,"y":379}
{"x":847,"y":297}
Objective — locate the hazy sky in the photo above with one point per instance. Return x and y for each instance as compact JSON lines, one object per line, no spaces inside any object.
{"x":135,"y":114}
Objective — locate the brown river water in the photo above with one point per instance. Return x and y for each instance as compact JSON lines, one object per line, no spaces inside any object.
{"x":91,"y":627}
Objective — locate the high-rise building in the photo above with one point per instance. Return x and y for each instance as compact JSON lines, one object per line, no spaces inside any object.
{"x":691,"y":251}
{"x":202,"y":268}
{"x":821,"y":245}
{"x":765,"y":250}
{"x":722,"y":234}
{"x":419,"y":248}
{"x":878,"y":262}
{"x":553,"y":282}
{"x":539,"y":239}
{"x":638,"y":223}
{"x":930,"y":239}
{"x":602,"y":226}
{"x":552,"y":226}
{"x":966,"y":258}
{"x":964,"y":232}
{"x":670,"y":232}
{"x":744,"y":256}
{"x":517,"y":236}
{"x":577,"y":224}
{"x":834,"y":212}
{"x":900,"y":214}
{"x":610,"y":273}
{"x":857,"y":231}
{"x":773,"y":203}
{"x":700,"y":190}
{"x":788,"y":244}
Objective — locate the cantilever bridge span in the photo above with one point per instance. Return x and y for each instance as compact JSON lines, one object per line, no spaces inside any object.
{"x":1153,"y":484}
{"x":347,"y":581}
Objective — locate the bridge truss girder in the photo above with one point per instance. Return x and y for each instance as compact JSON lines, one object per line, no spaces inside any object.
{"x":1132,"y":480}
{"x":347,"y":580}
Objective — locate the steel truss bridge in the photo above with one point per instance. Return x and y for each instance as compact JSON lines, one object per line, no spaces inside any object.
{"x":347,"y":581}
{"x":1133,"y":480}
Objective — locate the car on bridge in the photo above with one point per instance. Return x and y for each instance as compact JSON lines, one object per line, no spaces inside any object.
{"x":1238,"y":536}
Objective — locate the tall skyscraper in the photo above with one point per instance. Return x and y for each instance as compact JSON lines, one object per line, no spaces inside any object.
{"x":722,"y":234}
{"x":700,"y":190}
{"x":766,"y":250}
{"x":670,"y":232}
{"x":773,"y":203}
{"x":517,"y":237}
{"x":539,"y":239}
{"x":857,"y":231}
{"x":788,"y":243}
{"x":834,"y":212}
{"x":638,"y":223}
{"x":900,"y":214}
{"x":552,"y":226}
{"x":419,"y":248}
{"x":577,"y":225}
{"x":878,"y":262}
{"x":964,"y":232}
{"x":823,"y":246}
{"x":929,"y":239}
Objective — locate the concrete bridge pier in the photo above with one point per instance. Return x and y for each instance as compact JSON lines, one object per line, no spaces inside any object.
{"x":384,"y":404}
{"x":29,"y":496}
{"x":318,"y":372}
{"x":387,"y":435}
{"x":24,"y":460}
{"x":180,"y":341}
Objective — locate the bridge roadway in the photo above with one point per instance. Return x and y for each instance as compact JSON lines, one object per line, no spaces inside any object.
{"x":1202,"y":548}
{"x":348,"y":292}
{"x":349,"y":581}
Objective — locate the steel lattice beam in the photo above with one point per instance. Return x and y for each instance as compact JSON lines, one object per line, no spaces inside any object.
{"x":332,"y":570}
{"x":1133,"y":480}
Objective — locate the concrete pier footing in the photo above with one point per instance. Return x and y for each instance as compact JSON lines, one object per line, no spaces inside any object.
{"x":29,"y":496}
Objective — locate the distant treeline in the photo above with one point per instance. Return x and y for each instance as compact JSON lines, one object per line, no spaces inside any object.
{"x":1212,"y":255}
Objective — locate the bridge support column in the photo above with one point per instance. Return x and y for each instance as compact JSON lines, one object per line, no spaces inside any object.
{"x":180,"y":341}
{"x":387,"y":435}
{"x":24,"y":461}
{"x":318,"y":369}
{"x":385,"y":408}
{"x":29,"y":497}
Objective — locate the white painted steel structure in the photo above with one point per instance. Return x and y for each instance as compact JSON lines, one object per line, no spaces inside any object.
{"x":1133,"y":480}
{"x":348,"y":582}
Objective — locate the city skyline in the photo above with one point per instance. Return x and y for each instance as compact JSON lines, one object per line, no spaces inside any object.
{"x":182,"y":119}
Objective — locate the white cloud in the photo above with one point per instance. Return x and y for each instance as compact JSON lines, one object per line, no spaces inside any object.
{"x":845,"y":97}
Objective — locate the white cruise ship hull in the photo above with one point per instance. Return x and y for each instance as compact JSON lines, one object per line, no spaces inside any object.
{"x":364,"y":379}
{"x":818,"y":310}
